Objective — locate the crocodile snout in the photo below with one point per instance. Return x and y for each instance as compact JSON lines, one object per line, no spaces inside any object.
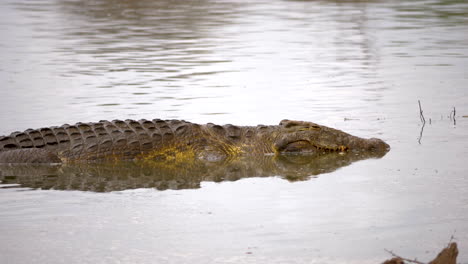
{"x":378,"y":145}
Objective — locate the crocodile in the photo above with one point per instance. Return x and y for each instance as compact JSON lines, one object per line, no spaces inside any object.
{"x":176,"y":140}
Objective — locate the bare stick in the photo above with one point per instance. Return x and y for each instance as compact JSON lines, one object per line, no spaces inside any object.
{"x":421,"y":133}
{"x":447,"y":255}
{"x":423,"y":120}
{"x":405,"y":259}
{"x":454,"y":120}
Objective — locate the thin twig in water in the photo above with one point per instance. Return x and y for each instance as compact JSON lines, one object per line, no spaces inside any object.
{"x":421,"y":133}
{"x":447,"y":255}
{"x":454,"y":120}
{"x":423,"y":120}
{"x":405,"y":259}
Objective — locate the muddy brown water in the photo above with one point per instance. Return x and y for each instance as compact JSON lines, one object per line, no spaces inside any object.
{"x":360,"y":66}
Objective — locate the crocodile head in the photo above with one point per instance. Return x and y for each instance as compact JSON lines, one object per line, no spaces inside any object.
{"x":308,"y":137}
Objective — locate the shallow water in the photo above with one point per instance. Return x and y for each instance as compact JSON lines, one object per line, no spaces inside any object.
{"x":360,"y":66}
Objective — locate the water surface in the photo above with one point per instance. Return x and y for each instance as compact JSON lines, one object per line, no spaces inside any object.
{"x":360,"y":66}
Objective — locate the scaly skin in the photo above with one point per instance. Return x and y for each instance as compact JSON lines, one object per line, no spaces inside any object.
{"x":169,"y":140}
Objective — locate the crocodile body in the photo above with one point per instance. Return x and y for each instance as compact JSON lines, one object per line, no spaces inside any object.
{"x":175,"y":140}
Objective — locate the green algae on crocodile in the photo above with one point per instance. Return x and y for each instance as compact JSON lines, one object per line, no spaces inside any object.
{"x":167,"y":140}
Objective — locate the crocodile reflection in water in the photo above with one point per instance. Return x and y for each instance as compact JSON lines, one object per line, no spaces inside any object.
{"x":163,"y":175}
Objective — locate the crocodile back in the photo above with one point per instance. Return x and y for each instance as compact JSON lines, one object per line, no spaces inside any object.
{"x":99,"y":140}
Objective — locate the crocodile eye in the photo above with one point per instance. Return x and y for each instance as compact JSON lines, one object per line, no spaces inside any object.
{"x":299,"y":146}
